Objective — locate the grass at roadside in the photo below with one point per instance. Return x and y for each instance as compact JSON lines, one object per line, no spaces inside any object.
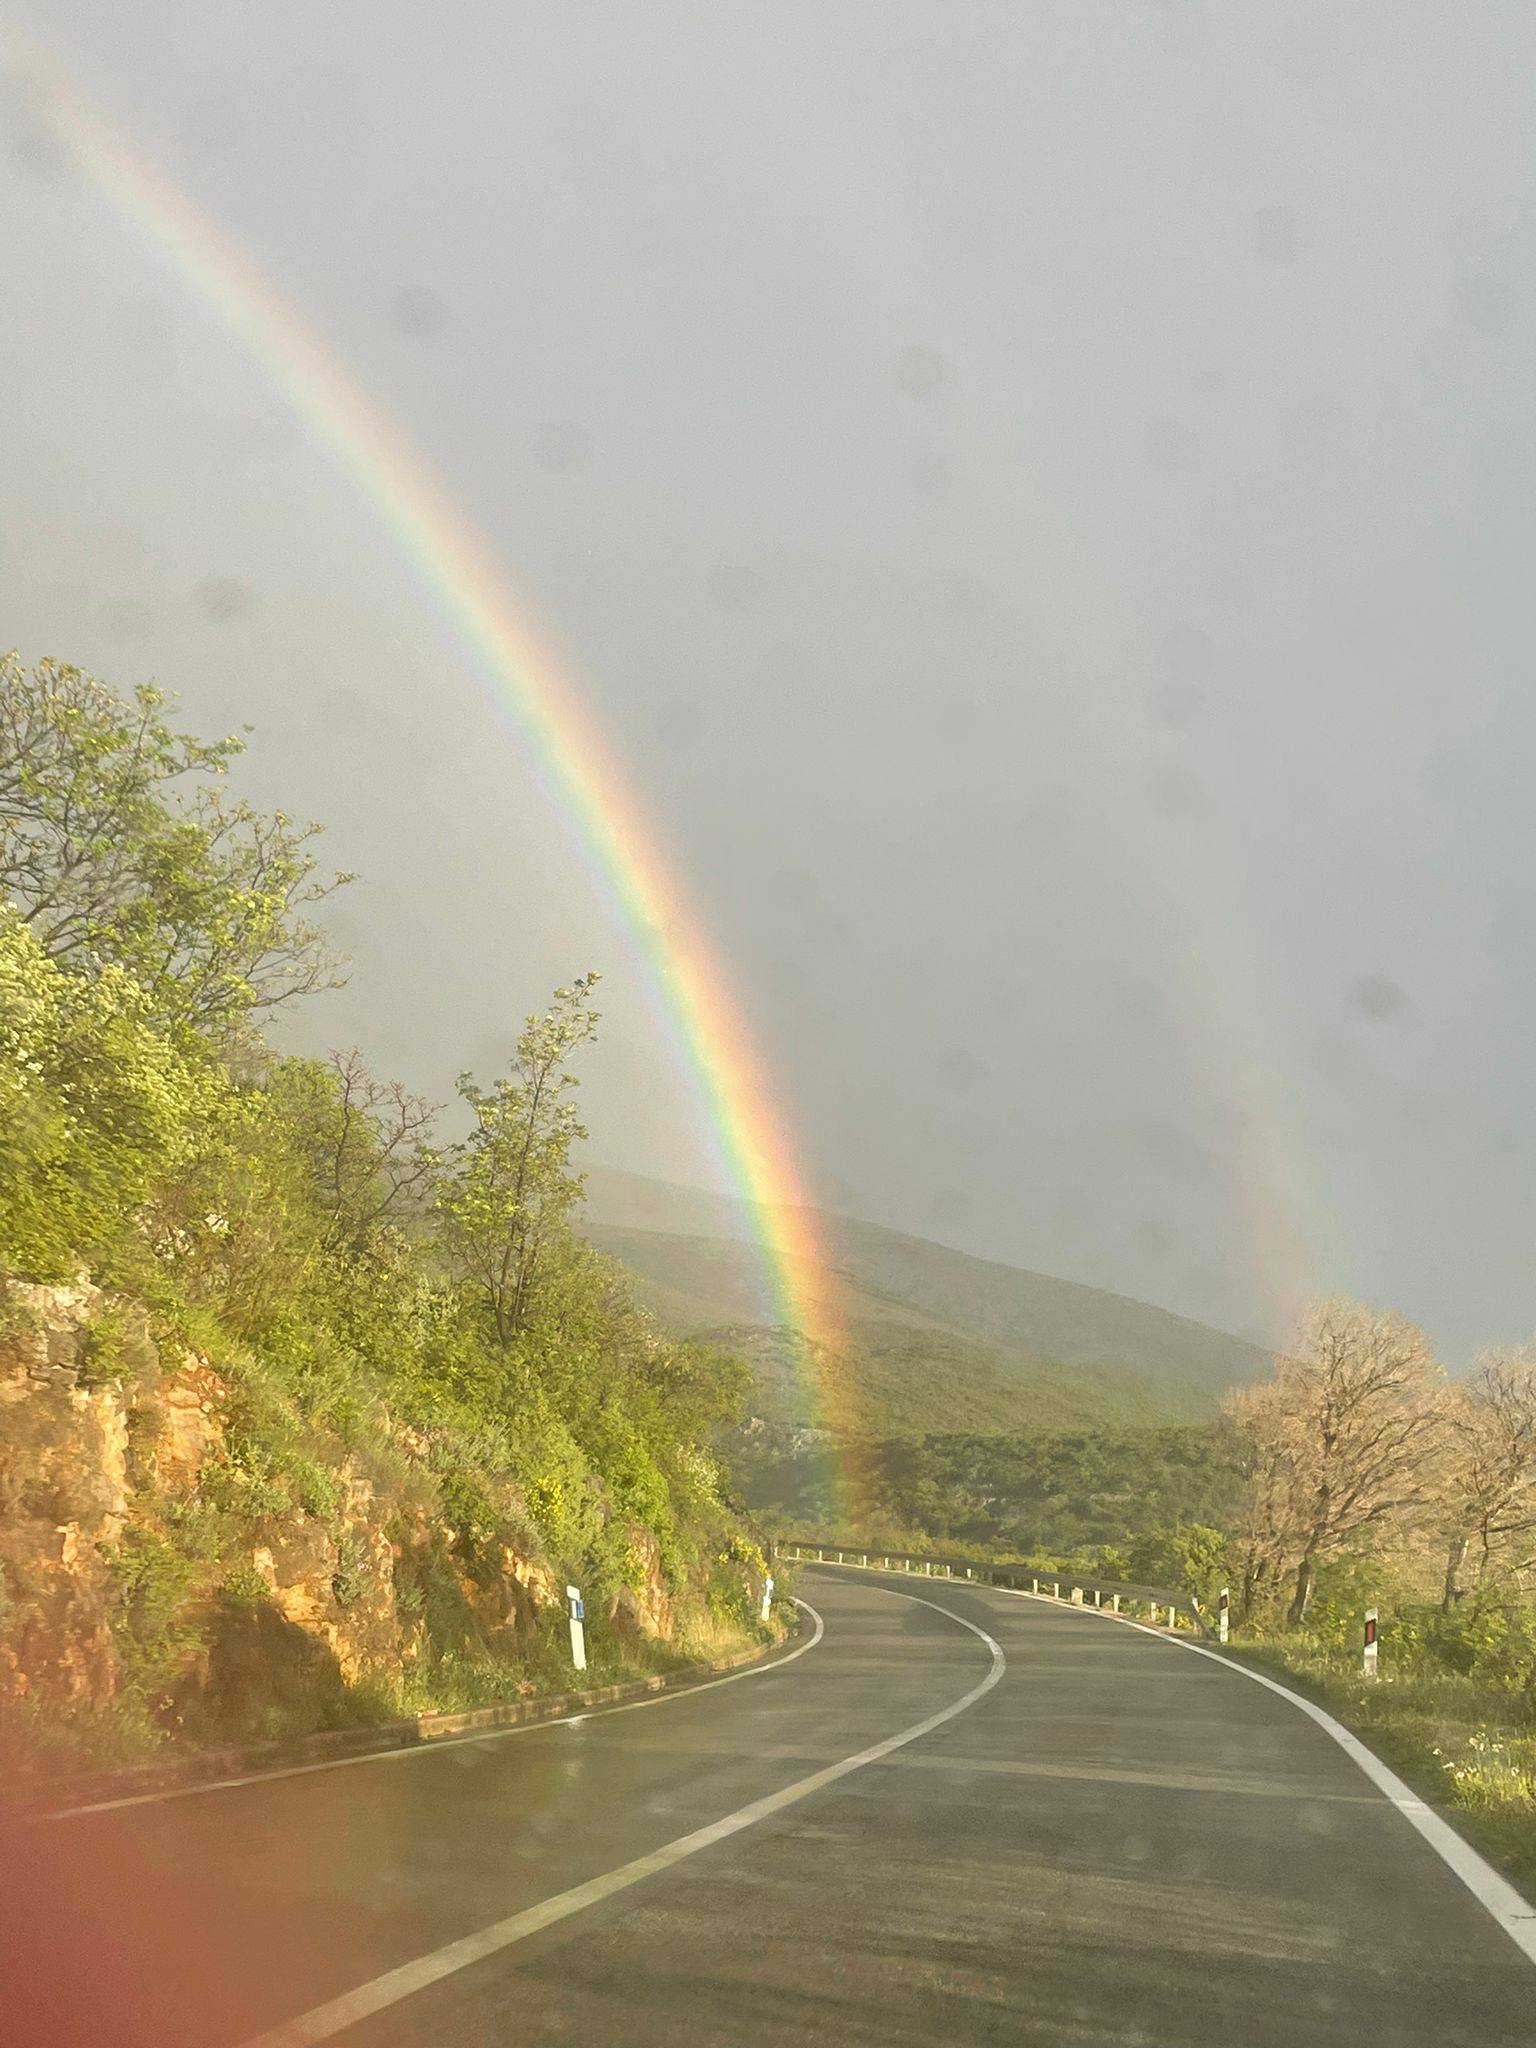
{"x":1465,"y":1744}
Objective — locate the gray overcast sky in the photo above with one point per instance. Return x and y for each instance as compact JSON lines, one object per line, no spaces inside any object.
{"x":1038,"y":497}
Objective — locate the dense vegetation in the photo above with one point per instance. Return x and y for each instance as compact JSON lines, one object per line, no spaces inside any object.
{"x":382,"y":1302}
{"x":1105,"y":1500}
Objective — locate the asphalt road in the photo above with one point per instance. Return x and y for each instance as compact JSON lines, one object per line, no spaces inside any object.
{"x":1068,"y":1832}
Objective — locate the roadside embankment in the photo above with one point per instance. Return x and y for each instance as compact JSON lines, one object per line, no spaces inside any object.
{"x":192,"y":1567}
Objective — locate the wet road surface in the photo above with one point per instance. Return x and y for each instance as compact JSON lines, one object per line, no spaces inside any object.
{"x":960,"y":1817}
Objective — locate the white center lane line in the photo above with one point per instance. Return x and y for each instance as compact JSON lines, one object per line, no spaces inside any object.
{"x":324,"y":2021}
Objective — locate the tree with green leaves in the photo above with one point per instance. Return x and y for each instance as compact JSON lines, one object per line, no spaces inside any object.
{"x":509,"y":1187}
{"x":97,"y":1107}
{"x":118,"y":848}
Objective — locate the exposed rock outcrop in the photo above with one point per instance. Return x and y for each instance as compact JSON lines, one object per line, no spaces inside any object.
{"x":123,"y":1564}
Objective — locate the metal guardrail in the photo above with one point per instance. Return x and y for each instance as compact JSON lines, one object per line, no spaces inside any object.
{"x":1114,"y":1596}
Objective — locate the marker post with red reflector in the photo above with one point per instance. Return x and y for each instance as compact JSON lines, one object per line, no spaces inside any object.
{"x":1368,"y":1654}
{"x":1223,"y":1607}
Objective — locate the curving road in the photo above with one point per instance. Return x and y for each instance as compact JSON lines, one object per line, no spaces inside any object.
{"x":960,"y":1817}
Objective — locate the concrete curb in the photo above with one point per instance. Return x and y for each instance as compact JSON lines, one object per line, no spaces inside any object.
{"x":341,"y":1745}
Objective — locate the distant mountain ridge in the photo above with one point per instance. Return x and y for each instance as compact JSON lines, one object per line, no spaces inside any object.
{"x":938,"y":1339}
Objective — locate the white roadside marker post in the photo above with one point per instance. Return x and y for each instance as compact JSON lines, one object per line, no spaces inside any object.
{"x":767,"y":1597}
{"x":578,"y":1614}
{"x":1223,"y":1603}
{"x":1368,"y":1654}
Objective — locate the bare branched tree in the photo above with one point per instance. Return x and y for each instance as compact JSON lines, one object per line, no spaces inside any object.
{"x":1491,"y":1475}
{"x":380,"y":1158}
{"x":1345,"y":1441}
{"x":1269,"y":1528}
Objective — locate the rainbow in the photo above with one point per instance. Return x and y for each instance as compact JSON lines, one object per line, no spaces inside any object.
{"x":453,"y":563}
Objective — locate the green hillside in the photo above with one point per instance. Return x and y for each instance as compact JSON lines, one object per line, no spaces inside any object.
{"x":1043,"y":1316}
{"x":938,"y":1340}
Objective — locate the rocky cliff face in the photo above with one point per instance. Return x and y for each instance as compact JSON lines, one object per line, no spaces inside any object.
{"x":63,"y":1499}
{"x":127,"y":1578}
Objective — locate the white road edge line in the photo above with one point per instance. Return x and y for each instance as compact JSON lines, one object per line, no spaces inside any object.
{"x":432,"y":1748}
{"x":1493,"y":1892}
{"x":336,"y":2014}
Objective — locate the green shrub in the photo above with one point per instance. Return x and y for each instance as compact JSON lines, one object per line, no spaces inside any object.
{"x":349,"y":1579}
{"x":1493,"y":1639}
{"x":244,"y":1587}
{"x":151,"y":1620}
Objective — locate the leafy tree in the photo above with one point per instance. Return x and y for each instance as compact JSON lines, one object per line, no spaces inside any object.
{"x":699,"y":1386}
{"x":237,"y":1226}
{"x":96,"y":1107}
{"x":510,"y":1186}
{"x":1189,"y":1555}
{"x":118,"y":848}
